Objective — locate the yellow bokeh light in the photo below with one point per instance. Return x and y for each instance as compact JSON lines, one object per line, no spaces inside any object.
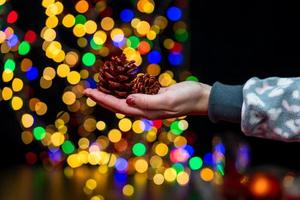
{"x":6,"y":93}
{"x":161,"y":149}
{"x":119,"y":115}
{"x":161,"y":22}
{"x":207,"y":174}
{"x":2,"y":36}
{"x":165,"y":79}
{"x":74,"y":161}
{"x":170,"y":174}
{"x":68,"y":21}
{"x":91,"y":184}
{"x":143,"y":28}
{"x":71,"y":58}
{"x":90,"y":102}
{"x":117,"y":35}
{"x":158,"y":179}
{"x":151,"y":35}
{"x":128,"y":190}
{"x":125,"y":124}
{"x":79,"y":30}
{"x":45,"y":84}
{"x":82,"y":42}
{"x":100,"y":37}
{"x":40,"y":108}
{"x":32,"y":103}
{"x":180,"y":141}
{"x":7,"y":75}
{"x":98,"y":197}
{"x":94,"y":158}
{"x":16,"y":103}
{"x":135,"y":22}
{"x":59,"y":57}
{"x":49,"y":73}
{"x":182,"y":178}
{"x":101,"y":125}
{"x":89,"y":124}
{"x":156,"y":161}
{"x":141,"y":165}
{"x":57,"y":139}
{"x":69,"y":98}
{"x":169,"y":43}
{"x":63,"y":70}
{"x":27,"y":120}
{"x":27,"y":137}
{"x":48,"y":34}
{"x":53,"y":49}
{"x":103,"y":169}
{"x":114,"y":135}
{"x":83,"y":143}
{"x":138,"y":126}
{"x":46,"y":3}
{"x":52,"y":21}
{"x":17,"y":85}
{"x":90,"y":27}
{"x":73,"y":77}
{"x":107,"y":23}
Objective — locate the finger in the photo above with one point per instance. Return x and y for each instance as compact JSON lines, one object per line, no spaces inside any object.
{"x":147,"y":102}
{"x":112,"y":103}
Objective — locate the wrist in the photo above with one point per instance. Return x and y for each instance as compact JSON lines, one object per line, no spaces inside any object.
{"x":203,"y":100}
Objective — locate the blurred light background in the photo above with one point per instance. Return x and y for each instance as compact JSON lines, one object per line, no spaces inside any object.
{"x":58,"y":144}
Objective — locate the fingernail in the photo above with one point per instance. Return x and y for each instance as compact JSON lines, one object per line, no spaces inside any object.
{"x":130,"y":101}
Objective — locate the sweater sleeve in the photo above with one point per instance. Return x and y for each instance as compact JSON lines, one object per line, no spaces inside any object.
{"x":271,"y":108}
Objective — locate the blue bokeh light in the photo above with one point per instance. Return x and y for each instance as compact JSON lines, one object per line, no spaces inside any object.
{"x":154,"y":57}
{"x":208,"y":159}
{"x":126,"y":15}
{"x":121,"y":164}
{"x":175,"y":58}
{"x":32,"y":73}
{"x":174,"y":13}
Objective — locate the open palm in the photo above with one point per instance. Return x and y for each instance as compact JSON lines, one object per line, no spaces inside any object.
{"x":180,"y":99}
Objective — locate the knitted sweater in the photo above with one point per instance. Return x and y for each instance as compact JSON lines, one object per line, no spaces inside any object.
{"x":267,"y":108}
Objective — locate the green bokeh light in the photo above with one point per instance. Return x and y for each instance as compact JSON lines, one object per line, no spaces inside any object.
{"x":134,"y":41}
{"x":175,"y":129}
{"x":10,"y":65}
{"x":80,"y":19}
{"x":139,"y":149}
{"x":39,"y":133}
{"x":195,"y":163}
{"x":68,"y":147}
{"x":178,"y":167}
{"x":192,"y":78}
{"x":94,"y":45}
{"x":24,"y":48}
{"x":88,"y":59}
{"x":181,"y":35}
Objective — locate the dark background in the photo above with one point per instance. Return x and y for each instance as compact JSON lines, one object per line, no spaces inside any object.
{"x":231,"y":41}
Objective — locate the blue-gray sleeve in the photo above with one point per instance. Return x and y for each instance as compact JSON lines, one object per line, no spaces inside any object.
{"x":225,"y":103}
{"x":271,"y":108}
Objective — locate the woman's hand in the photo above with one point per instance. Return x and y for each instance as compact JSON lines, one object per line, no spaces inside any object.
{"x":185,"y":98}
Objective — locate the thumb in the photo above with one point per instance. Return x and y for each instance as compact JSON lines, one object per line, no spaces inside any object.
{"x":145,"y":101}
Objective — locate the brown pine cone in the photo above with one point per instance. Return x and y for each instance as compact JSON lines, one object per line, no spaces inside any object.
{"x":116,"y":76}
{"x":145,"y":84}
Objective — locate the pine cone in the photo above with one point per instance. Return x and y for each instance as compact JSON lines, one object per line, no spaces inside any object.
{"x":116,"y":76}
{"x":145,"y":84}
